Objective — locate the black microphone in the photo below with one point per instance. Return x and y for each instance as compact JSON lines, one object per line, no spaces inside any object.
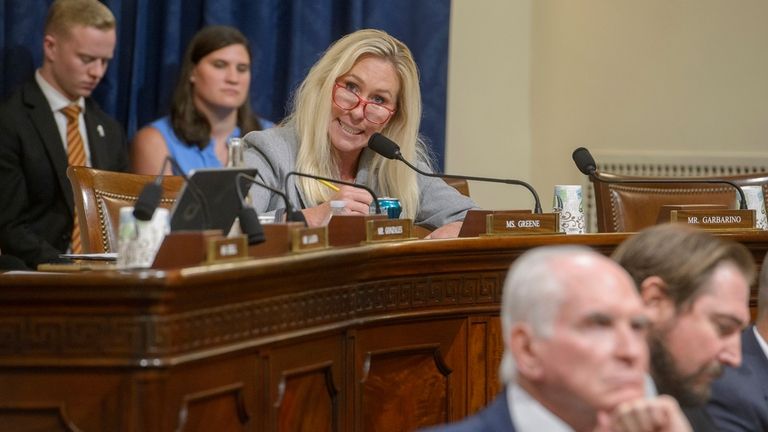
{"x":149,"y":197}
{"x":312,"y":176}
{"x":249,"y":220}
{"x":584,"y":161}
{"x":387,"y":148}
{"x":586,"y":164}
{"x":291,"y":215}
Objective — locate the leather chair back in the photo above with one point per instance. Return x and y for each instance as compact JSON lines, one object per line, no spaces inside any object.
{"x":99,"y":195}
{"x":459,"y":184}
{"x":624,"y":207}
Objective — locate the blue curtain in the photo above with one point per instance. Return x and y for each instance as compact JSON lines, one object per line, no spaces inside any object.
{"x":287,"y":37}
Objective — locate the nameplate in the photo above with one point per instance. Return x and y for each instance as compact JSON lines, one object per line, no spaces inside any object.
{"x":349,"y":230}
{"x":308,"y":239}
{"x":475,"y":221}
{"x":715,"y":219}
{"x":502,"y":223}
{"x":278,"y":240}
{"x":381,"y":230}
{"x":226,"y":249}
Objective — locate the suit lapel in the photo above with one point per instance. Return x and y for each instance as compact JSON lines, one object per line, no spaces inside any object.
{"x":498,"y":416}
{"x":755,"y":358}
{"x":42,"y":118}
{"x":96,"y":134}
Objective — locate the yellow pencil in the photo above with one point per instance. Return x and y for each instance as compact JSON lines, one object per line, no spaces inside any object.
{"x":330,"y":185}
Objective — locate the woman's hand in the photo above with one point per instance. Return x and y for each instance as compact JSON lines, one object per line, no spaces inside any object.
{"x":449,"y":230}
{"x":358,"y":203}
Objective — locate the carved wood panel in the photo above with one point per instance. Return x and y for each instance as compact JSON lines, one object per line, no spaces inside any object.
{"x":222,"y":408}
{"x":56,"y":402}
{"x":212,"y":395}
{"x":306,"y":382}
{"x":411,"y":375}
{"x":36,"y":418}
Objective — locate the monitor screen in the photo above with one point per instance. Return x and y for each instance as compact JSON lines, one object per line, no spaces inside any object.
{"x":213,"y":203}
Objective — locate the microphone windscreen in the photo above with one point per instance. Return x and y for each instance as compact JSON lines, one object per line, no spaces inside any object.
{"x":250,"y":225}
{"x":147,"y":202}
{"x":384,"y":146}
{"x":584,"y":161}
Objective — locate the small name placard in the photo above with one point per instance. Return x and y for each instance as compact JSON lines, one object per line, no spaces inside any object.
{"x":381,"y":230}
{"x":307,"y":239}
{"x":715,"y":219}
{"x":226,"y":249}
{"x":522,"y":223}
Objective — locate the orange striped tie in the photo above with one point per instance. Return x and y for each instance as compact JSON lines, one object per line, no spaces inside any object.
{"x":75,"y":157}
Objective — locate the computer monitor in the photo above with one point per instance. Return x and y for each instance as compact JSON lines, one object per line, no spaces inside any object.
{"x":213,"y":203}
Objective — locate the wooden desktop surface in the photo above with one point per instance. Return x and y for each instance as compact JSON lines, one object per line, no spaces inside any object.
{"x":385,"y":337}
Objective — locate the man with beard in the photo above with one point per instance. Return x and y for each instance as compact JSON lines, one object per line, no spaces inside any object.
{"x":695,"y":288}
{"x":739,"y":397}
{"x":575,"y":351}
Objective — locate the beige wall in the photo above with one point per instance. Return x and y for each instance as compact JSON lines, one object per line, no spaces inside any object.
{"x":488,"y":120}
{"x":530,"y":80}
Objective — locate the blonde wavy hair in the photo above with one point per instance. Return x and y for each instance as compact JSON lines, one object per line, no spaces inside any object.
{"x":312,"y":115}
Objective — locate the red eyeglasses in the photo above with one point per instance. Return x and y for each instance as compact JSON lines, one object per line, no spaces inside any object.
{"x":347,"y":100}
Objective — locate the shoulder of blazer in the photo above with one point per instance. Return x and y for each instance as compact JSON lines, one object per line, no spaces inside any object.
{"x":277,"y":146}
{"x":27,"y":96}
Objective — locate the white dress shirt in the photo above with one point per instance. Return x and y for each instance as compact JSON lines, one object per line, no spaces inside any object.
{"x":528,"y":415}
{"x":58,"y":101}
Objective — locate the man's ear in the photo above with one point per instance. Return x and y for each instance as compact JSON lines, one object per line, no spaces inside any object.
{"x":49,"y":46}
{"x":526,"y":351}
{"x":658,"y":305}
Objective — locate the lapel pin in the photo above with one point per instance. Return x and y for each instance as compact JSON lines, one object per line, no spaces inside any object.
{"x":100,"y":130}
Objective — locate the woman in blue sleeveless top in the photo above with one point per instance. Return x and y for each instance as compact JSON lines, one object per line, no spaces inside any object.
{"x":210,"y":105}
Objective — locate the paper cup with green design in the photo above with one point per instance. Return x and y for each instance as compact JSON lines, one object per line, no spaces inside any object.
{"x":756,"y":202}
{"x":568,"y":201}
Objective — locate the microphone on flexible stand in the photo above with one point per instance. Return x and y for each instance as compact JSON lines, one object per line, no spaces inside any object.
{"x":291,"y":214}
{"x":586,"y":164}
{"x":249,"y":220}
{"x":312,"y":176}
{"x":390,"y":150}
{"x":149,"y":197}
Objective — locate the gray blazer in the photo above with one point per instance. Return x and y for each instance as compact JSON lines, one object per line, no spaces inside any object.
{"x":273,"y":152}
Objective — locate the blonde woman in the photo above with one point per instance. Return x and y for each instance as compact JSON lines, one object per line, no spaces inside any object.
{"x":366,"y":82}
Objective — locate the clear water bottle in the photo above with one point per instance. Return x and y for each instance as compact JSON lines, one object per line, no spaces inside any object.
{"x":235,"y":152}
{"x":338,"y":207}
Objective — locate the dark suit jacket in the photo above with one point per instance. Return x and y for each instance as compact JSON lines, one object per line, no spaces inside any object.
{"x":36,"y":204}
{"x":494,"y":418}
{"x":740,"y":397}
{"x":700,"y":419}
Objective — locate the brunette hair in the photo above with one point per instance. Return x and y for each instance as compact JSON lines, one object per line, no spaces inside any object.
{"x":189,"y":124}
{"x":683,"y":257}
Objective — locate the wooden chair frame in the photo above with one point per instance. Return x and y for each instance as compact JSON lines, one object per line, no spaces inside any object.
{"x":99,"y":195}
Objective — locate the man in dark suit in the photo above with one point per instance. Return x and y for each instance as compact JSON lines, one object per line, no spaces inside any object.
{"x":695,"y":288}
{"x":740,"y":397}
{"x":51,"y":122}
{"x":575,"y":355}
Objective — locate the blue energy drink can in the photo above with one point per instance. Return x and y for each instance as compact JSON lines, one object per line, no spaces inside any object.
{"x":389,"y":206}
